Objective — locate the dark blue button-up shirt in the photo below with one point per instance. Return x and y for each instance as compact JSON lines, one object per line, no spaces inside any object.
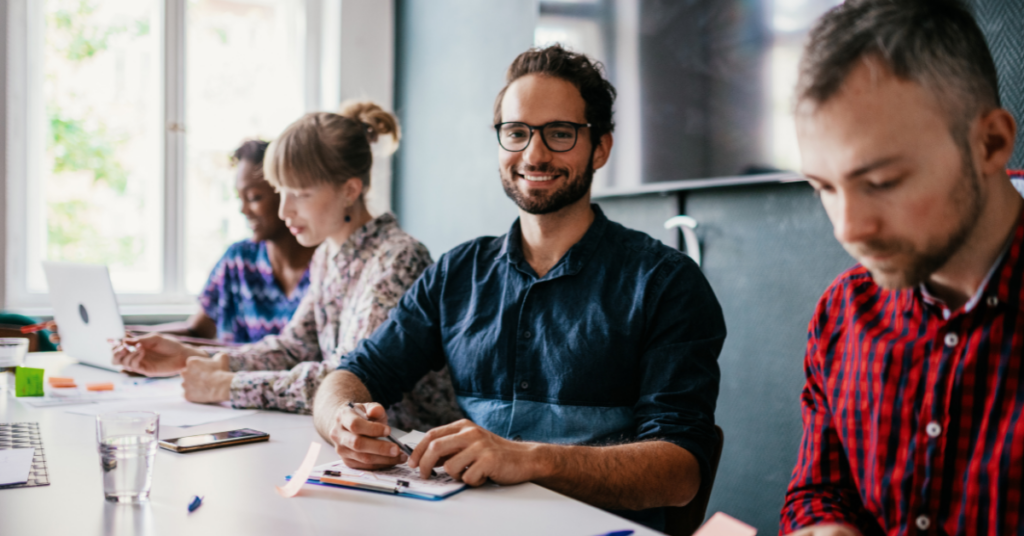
{"x":618,"y":342}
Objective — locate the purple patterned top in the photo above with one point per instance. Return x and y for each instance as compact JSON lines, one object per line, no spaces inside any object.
{"x":243,"y":297}
{"x":351,"y":292}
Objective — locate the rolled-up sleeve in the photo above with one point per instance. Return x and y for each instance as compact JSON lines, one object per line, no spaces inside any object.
{"x":406,"y":346}
{"x":822,"y":488}
{"x":679,"y":366}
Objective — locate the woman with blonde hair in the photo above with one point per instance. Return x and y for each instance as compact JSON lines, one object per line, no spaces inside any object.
{"x":321,"y":166}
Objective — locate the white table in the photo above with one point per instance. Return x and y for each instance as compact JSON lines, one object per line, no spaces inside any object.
{"x":238,"y":483}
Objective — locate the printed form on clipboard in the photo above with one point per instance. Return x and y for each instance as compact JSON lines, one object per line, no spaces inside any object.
{"x":399,"y":480}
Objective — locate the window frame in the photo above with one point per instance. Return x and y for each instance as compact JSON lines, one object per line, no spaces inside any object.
{"x":327,"y":24}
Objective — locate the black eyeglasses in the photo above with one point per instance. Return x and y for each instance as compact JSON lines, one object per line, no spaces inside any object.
{"x":558,"y":136}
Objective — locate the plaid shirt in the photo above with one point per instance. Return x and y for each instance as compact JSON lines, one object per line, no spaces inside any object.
{"x":912,"y":417}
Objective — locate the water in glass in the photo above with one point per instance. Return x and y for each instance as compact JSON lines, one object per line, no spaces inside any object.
{"x":127,"y":467}
{"x":127,"y":443}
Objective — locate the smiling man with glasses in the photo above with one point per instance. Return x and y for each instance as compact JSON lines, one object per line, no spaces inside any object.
{"x":583,"y":353}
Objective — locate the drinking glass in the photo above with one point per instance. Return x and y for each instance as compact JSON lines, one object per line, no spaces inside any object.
{"x":12,"y":354}
{"x":127,"y":445}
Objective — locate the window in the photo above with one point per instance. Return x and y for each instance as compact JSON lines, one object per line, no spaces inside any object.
{"x":243,"y":79}
{"x":790,"y":21}
{"x":121,"y":119}
{"x":604,"y":30}
{"x":97,"y":197}
{"x":705,"y":89}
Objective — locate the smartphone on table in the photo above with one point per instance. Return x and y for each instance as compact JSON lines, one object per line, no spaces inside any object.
{"x":214,"y":440}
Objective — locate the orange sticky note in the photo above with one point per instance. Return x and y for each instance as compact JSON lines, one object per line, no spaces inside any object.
{"x":61,"y":382}
{"x":301,"y":474}
{"x":102,"y":386}
{"x":725,"y":525}
{"x":64,"y":385}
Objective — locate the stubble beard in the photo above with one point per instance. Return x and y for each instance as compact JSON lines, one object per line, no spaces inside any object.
{"x":572,"y":191}
{"x":922,"y":265}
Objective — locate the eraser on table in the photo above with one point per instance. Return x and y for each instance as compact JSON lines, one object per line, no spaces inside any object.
{"x":725,"y":525}
{"x":301,"y":474}
{"x":28,"y":381}
{"x":101,"y":386}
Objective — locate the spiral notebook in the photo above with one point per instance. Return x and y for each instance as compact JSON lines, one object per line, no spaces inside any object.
{"x":25,"y":435}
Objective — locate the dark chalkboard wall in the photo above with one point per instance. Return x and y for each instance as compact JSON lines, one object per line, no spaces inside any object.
{"x":769,"y":254}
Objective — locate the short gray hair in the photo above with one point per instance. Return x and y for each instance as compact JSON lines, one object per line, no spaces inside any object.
{"x":934,"y":43}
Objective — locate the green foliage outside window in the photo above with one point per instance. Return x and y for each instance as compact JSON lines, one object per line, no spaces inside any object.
{"x":84,"y":143}
{"x":78,"y":148}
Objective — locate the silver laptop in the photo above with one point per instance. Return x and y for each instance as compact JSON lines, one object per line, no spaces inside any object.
{"x":85,"y":309}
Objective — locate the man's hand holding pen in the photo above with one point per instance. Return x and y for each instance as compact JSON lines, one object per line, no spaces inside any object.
{"x":468,"y":452}
{"x":355,"y":433}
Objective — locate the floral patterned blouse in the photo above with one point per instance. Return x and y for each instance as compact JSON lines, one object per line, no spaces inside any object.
{"x":352,"y":289}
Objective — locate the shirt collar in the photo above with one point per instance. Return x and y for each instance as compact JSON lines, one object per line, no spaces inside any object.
{"x":570,"y":263}
{"x":995,"y":287}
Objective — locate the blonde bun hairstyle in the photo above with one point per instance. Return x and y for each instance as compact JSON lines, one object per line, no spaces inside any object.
{"x":326,"y":148}
{"x":377,"y":121}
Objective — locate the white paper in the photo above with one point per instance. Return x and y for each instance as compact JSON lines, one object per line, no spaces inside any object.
{"x":126,"y":390}
{"x":15,"y":465}
{"x":174,"y":411}
{"x":413,"y":438}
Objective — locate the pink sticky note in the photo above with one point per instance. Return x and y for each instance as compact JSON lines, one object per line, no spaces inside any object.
{"x":725,"y":525}
{"x":301,"y":474}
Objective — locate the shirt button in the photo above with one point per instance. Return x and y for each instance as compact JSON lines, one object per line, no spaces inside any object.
{"x":923,"y":522}
{"x":933,"y":429}
{"x":524,"y":385}
{"x":992,"y":301}
{"x":952,"y":339}
{"x":527,"y":334}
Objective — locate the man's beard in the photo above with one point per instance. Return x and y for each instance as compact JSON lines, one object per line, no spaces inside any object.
{"x":922,"y":265}
{"x":572,"y":191}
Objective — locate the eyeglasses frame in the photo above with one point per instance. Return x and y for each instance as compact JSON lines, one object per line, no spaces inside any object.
{"x":576,"y":126}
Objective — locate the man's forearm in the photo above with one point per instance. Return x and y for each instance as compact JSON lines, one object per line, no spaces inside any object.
{"x":622,"y":477}
{"x":338,"y":388}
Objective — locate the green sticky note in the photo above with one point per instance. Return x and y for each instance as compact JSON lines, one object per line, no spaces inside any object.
{"x":28,"y":381}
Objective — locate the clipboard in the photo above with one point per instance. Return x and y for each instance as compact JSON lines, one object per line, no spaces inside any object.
{"x":400,"y":480}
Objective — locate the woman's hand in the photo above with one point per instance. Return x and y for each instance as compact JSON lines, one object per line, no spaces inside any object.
{"x":153,"y":354}
{"x":207,"y":379}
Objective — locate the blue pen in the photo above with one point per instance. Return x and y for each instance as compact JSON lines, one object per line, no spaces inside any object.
{"x":617,"y":533}
{"x":197,"y":501}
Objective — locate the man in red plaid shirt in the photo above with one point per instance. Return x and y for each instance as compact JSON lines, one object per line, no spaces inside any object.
{"x":913,"y":408}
